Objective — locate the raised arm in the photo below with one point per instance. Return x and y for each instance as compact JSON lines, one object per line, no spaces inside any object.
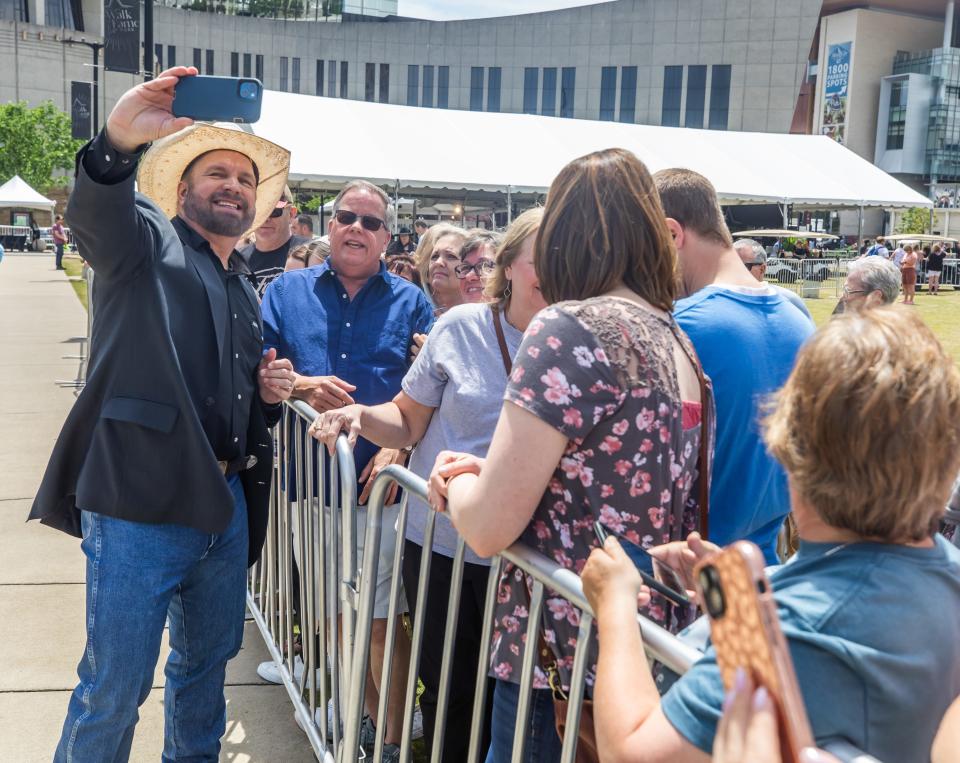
{"x":114,"y":235}
{"x":397,"y":424}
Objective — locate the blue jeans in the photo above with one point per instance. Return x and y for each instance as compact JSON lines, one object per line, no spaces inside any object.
{"x":138,"y":576}
{"x":543,"y":742}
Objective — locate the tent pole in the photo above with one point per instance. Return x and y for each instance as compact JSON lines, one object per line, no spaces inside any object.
{"x":396,"y":204}
{"x":786,"y":214}
{"x":509,"y":204}
{"x":860,"y":228}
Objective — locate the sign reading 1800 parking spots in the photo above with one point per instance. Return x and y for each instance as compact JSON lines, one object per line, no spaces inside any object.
{"x":835,"y":91}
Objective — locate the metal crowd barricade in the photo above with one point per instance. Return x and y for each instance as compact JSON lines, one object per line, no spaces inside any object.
{"x":821,"y":277}
{"x":302,"y":541}
{"x":660,"y":645}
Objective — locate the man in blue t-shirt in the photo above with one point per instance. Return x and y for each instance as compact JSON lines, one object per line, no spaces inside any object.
{"x":346,"y":326}
{"x":747,"y":336}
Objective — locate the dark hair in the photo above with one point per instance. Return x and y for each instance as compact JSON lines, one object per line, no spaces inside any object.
{"x":690,"y":199}
{"x":476,"y":238}
{"x":603,"y":225}
{"x":306,"y":220}
{"x":189,"y":167}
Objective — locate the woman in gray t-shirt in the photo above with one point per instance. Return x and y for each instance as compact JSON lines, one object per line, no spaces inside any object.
{"x":451,"y":400}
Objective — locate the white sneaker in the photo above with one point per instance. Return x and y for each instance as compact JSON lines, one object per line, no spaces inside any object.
{"x":270,"y":671}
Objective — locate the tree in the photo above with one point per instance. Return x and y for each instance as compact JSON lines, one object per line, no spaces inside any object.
{"x":915,"y":220}
{"x":34,"y":143}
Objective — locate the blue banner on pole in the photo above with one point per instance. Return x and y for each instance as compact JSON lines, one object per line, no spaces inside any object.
{"x":835,"y":91}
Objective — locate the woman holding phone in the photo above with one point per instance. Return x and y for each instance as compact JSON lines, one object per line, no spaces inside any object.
{"x":870,"y":604}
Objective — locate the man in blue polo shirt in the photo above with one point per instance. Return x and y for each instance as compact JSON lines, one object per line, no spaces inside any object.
{"x":346,"y":325}
{"x":747,"y":336}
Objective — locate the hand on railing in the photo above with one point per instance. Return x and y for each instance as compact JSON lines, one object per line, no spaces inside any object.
{"x":328,"y":426}
{"x":385,"y":457}
{"x":447,"y":466}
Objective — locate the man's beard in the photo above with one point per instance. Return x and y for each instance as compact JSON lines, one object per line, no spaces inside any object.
{"x":205,"y":214}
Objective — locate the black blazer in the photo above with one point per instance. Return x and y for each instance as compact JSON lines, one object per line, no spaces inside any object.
{"x":132,"y":446}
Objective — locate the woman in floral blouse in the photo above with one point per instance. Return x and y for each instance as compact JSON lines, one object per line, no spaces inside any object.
{"x":602,"y":414}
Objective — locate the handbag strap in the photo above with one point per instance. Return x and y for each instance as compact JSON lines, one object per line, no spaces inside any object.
{"x":501,"y":339}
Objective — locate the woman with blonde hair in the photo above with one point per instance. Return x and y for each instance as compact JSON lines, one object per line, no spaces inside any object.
{"x":870,"y":604}
{"x":450,"y":400}
{"x":437,"y":256}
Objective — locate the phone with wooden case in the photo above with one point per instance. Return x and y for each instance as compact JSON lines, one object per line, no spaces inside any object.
{"x":745,"y":631}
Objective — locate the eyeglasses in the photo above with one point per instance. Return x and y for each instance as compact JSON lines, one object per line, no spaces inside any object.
{"x":481,"y":268}
{"x":277,"y":212}
{"x":369,"y":222}
{"x":847,"y":291}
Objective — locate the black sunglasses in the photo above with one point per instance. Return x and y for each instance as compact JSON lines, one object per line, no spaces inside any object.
{"x":369,"y":222}
{"x":277,"y":212}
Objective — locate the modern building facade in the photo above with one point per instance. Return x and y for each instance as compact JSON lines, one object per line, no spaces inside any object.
{"x":869,"y":73}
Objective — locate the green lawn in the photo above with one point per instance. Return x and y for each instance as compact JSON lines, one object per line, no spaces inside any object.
{"x":74,"y":267}
{"x":941,"y":313}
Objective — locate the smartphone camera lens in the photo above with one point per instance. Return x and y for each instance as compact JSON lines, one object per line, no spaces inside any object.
{"x":248,"y":91}
{"x":712,"y":592}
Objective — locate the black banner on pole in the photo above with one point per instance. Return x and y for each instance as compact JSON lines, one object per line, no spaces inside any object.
{"x":121,"y":24}
{"x":81,"y":109}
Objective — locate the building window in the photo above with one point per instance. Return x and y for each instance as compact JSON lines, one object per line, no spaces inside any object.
{"x":295,"y":75}
{"x":343,"y":79}
{"x":672,"y":91}
{"x":628,"y":94}
{"x":171,"y":55}
{"x":158,"y":57}
{"x":568,"y":84}
{"x":384,"y":83}
{"x":696,"y":95}
{"x":531,"y":81}
{"x":14,"y":10}
{"x":246,"y":64}
{"x":896,"y":124}
{"x":209,"y":69}
{"x":321,"y":66}
{"x":331,"y":79}
{"x":259,"y":67}
{"x":234,"y":64}
{"x":719,"y":97}
{"x":369,"y":82}
{"x":493,"y":88}
{"x":58,"y":13}
{"x":548,"y":100}
{"x":284,"y":65}
{"x":413,"y":85}
{"x":198,"y":60}
{"x":476,"y":88}
{"x":426,"y":98}
{"x":443,"y":86}
{"x":608,"y":93}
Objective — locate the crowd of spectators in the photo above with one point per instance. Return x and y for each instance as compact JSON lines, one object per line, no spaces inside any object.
{"x":616,"y":357}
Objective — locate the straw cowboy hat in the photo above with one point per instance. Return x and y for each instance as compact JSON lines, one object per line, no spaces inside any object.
{"x":164,"y":163}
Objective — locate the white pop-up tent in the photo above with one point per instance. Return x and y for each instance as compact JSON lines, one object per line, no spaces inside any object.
{"x":417,"y":149}
{"x":17,"y":193}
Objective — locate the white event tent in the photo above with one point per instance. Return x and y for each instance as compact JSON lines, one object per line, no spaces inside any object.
{"x":414,"y":149}
{"x":16,"y":193}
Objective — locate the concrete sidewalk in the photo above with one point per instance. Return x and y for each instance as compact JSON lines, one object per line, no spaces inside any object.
{"x":42,"y":570}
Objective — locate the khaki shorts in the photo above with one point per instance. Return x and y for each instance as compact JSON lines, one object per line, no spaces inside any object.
{"x":388,"y":540}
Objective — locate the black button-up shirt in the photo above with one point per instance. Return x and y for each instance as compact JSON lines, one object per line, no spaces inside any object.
{"x":225,"y":416}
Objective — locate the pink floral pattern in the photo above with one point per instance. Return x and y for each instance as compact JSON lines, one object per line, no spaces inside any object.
{"x":630,"y":462}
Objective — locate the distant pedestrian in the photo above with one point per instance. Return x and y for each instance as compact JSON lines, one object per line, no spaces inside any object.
{"x":908,"y":270}
{"x":420,"y":227}
{"x":59,"y":239}
{"x":402,"y":244}
{"x":934,"y":269}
